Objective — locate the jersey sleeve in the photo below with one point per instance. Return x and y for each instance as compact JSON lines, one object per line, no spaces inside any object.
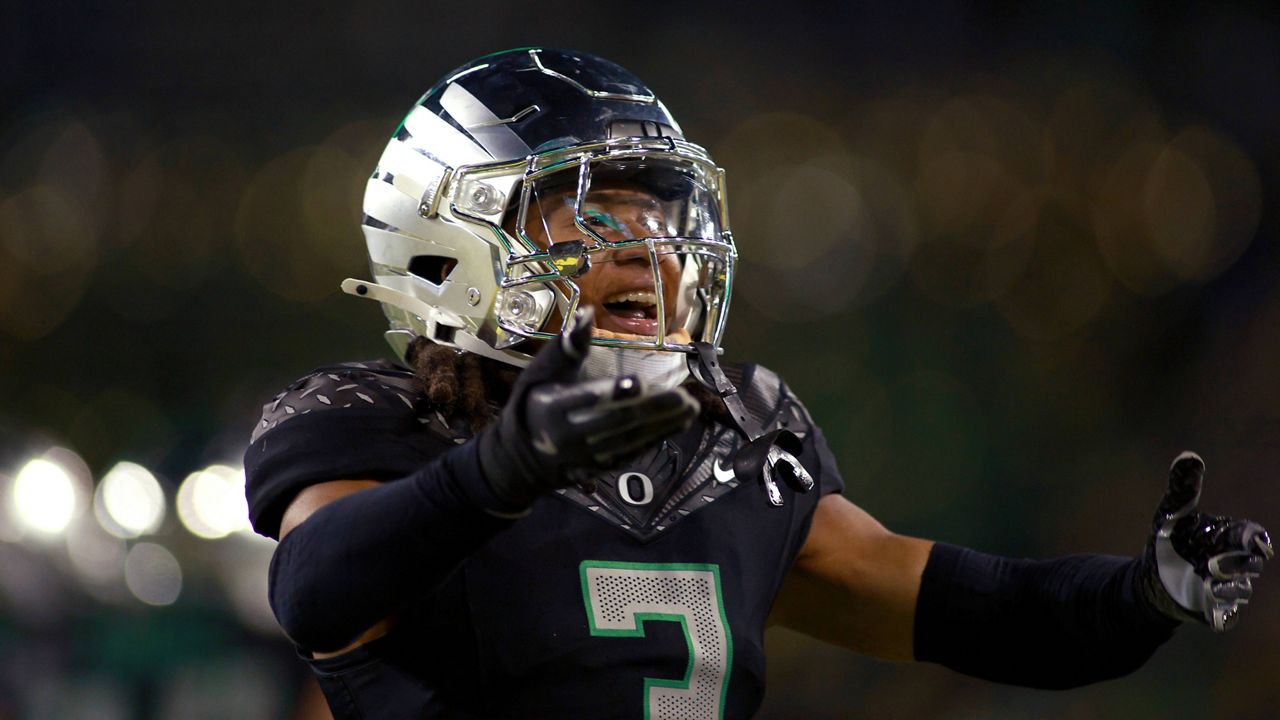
{"x":348,"y":422}
{"x":767,"y":396}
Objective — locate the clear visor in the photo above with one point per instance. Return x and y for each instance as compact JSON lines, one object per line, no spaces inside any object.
{"x":625,"y":202}
{"x":640,"y":239}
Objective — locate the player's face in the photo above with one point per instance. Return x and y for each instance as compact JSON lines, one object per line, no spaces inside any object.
{"x":619,"y":285}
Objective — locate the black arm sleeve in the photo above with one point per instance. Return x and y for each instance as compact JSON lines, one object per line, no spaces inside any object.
{"x":358,"y":559}
{"x":1050,"y":624}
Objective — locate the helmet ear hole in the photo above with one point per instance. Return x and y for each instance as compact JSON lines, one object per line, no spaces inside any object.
{"x":432,"y":268}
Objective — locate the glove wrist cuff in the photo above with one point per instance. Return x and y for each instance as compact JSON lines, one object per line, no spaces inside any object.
{"x":505,"y":489}
{"x":1158,"y":603}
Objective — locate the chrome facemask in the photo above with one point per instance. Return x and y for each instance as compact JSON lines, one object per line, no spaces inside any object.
{"x":677,"y":217}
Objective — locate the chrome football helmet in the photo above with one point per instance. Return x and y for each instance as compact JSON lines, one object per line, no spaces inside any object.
{"x":492,"y":200}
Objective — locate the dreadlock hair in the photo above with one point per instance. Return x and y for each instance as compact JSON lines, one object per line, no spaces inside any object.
{"x":465,"y":386}
{"x":459,"y":385}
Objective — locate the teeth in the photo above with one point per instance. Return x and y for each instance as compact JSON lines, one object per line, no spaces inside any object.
{"x":644,"y":297}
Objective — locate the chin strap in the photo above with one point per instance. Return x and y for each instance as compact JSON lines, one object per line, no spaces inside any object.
{"x":765,"y":453}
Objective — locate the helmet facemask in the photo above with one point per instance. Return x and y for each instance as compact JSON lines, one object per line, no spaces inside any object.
{"x":633,"y":203}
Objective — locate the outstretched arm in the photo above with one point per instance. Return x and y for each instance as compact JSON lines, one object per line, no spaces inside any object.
{"x":1040,"y":623}
{"x":854,"y":583}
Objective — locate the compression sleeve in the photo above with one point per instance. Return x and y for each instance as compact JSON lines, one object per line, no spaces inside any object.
{"x":359,"y":559}
{"x":1049,"y":624}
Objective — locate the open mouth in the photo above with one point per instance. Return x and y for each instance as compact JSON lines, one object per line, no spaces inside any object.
{"x":630,"y":311}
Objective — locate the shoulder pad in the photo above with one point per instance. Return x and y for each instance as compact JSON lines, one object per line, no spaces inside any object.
{"x":375,"y":386}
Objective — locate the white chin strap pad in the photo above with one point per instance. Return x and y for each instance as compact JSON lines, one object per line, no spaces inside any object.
{"x":659,"y":370}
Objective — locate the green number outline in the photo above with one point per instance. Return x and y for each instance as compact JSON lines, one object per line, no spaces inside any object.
{"x":642,"y":618}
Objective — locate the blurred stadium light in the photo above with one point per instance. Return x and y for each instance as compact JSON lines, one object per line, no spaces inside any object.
{"x":44,"y":497}
{"x":211,"y":502}
{"x":129,"y":501}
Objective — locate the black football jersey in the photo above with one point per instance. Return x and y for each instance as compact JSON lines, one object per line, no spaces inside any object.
{"x":644,"y":599}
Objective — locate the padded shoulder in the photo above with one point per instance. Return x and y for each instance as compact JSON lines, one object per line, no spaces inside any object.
{"x":367,"y":420}
{"x":370,"y":385}
{"x":358,"y":388}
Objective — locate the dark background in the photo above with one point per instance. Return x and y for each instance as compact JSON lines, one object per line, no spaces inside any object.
{"x":1014,"y":257}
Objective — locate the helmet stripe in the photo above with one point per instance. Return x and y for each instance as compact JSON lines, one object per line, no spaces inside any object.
{"x":486,"y":127}
{"x":442,"y":139}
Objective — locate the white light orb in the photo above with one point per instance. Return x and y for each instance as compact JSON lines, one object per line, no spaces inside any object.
{"x":44,"y":497}
{"x":211,"y":502}
{"x":132,"y":499}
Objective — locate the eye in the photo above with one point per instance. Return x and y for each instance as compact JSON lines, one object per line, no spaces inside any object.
{"x":600,"y":219}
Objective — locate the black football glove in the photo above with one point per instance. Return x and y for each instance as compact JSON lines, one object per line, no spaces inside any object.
{"x":1200,"y":566}
{"x":555,"y":427}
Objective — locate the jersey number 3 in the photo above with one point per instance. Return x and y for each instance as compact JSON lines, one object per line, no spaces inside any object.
{"x":621,"y":596}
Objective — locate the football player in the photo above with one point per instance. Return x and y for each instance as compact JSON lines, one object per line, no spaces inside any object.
{"x":564,"y":504}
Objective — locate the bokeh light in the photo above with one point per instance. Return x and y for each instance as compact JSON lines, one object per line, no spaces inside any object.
{"x":1229,"y":181}
{"x":1177,"y":210}
{"x":211,"y":502}
{"x":44,"y":497}
{"x":47,"y":253}
{"x":97,"y":556}
{"x":296,"y":223}
{"x":152,"y":574}
{"x":187,"y":190}
{"x":963,"y":198}
{"x":129,"y":501}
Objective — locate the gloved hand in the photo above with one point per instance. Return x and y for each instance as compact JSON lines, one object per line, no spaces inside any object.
{"x":1200,"y":566}
{"x":556,"y":427}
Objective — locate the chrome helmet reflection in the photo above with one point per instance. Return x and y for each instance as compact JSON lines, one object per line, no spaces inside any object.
{"x":514,"y":177}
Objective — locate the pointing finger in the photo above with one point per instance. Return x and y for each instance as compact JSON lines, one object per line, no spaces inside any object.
{"x":576,"y":338}
{"x":559,"y":360}
{"x":1185,"y":477}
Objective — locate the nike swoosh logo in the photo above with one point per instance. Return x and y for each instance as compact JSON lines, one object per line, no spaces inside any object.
{"x":723,"y":475}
